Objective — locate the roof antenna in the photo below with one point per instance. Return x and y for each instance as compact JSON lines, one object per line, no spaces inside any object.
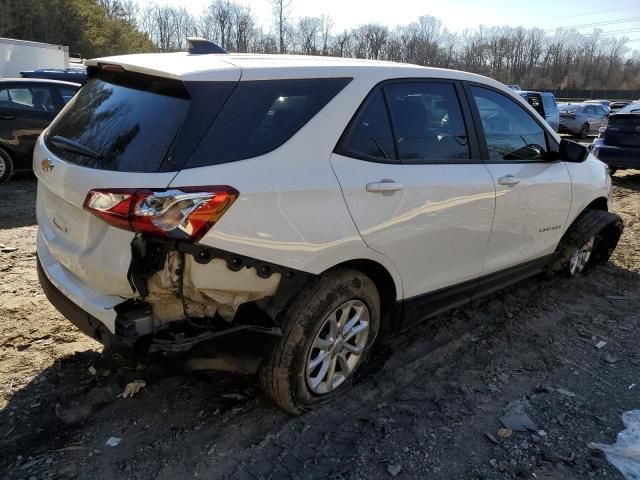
{"x":202,"y":46}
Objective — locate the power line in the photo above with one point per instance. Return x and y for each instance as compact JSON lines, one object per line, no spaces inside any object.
{"x":608,"y":10}
{"x":595,"y":24}
{"x":613,"y":32}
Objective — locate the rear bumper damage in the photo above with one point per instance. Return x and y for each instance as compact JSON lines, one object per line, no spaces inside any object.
{"x":230,"y":319}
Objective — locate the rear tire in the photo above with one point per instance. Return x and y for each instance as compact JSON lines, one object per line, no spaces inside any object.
{"x":327,"y":333}
{"x":6,"y":166}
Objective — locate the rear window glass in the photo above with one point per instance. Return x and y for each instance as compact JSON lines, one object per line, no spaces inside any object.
{"x":129,"y":121}
{"x":262,"y":115}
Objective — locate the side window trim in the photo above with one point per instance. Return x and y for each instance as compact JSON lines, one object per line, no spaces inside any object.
{"x":396,"y":151}
{"x":475,"y":146}
{"x":552,"y":144}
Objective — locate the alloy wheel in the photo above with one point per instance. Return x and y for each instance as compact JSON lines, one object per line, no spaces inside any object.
{"x":338,"y":346}
{"x":580,"y":257}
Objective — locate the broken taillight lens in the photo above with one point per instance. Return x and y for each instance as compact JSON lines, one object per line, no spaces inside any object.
{"x":181,"y":213}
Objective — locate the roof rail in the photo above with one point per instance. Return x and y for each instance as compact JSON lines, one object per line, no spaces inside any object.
{"x":202,"y":46}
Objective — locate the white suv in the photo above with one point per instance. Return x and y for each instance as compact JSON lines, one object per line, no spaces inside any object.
{"x":278,"y":213}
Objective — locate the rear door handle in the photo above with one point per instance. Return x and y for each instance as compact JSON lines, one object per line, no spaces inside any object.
{"x":6,"y":117}
{"x":384,"y":186}
{"x":510,"y":180}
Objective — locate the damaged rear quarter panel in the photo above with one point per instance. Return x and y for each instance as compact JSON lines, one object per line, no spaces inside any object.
{"x":203,"y":289}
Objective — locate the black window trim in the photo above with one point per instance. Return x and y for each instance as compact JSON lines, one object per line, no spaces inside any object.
{"x":475,"y":153}
{"x":552,"y":144}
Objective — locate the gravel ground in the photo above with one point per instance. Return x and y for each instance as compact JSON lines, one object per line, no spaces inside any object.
{"x":428,"y":406}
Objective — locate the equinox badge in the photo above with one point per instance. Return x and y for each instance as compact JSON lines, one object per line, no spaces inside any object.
{"x":47,"y":165}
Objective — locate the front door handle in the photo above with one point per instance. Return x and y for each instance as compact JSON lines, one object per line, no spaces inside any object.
{"x":384,"y":186}
{"x":509,"y":180}
{"x":6,"y":117}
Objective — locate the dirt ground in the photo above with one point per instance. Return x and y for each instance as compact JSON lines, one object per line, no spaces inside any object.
{"x":422,"y":410}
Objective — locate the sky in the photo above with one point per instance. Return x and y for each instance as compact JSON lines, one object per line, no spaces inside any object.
{"x":457,"y":15}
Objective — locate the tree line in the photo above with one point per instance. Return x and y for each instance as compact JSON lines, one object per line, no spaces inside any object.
{"x":90,"y":27}
{"x":533,"y":58}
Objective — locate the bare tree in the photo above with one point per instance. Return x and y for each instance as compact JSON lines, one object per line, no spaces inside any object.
{"x":281,"y":15}
{"x":342,"y":44}
{"x":308,"y":31}
{"x":327,"y":25}
{"x":243,"y":27}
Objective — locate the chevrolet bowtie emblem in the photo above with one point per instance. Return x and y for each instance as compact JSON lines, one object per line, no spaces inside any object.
{"x":47,"y":165}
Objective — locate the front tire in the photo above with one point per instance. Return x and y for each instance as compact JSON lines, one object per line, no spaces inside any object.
{"x":584,"y":131}
{"x":589,"y":241}
{"x":328,"y":332}
{"x":6,"y":166}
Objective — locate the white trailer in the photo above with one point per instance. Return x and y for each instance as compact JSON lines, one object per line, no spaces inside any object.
{"x":20,"y":55}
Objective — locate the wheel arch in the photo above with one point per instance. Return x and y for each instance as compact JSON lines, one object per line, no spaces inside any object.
{"x":599,"y":203}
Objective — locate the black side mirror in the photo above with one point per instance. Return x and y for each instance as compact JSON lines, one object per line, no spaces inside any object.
{"x":573,"y":151}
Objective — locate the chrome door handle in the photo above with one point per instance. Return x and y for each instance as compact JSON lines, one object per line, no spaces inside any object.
{"x":382,"y":187}
{"x":509,"y":180}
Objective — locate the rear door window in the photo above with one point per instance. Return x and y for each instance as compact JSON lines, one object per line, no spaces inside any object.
{"x":511,"y":133}
{"x":262,"y":115}
{"x":428,"y":122}
{"x":129,"y":121}
{"x":29,"y":98}
{"x":370,"y":136}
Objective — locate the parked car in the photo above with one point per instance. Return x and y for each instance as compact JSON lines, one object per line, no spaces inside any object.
{"x":618,"y":144}
{"x":602,"y":103}
{"x":581,"y":119}
{"x":73,"y":74}
{"x":545,"y":104}
{"x":26,"y":108}
{"x":295,"y":209}
{"x":615,"y":106}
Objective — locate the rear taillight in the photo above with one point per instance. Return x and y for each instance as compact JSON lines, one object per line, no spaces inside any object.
{"x":181,"y":213}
